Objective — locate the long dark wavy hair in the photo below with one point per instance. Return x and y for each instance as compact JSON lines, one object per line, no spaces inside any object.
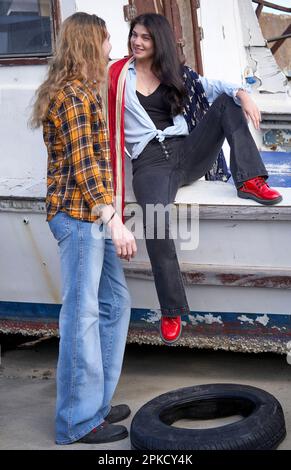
{"x":166,"y":64}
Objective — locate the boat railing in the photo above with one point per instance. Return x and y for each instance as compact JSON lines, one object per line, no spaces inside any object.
{"x":278,"y":40}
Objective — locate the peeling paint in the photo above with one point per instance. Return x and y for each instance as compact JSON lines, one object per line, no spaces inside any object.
{"x":244,"y":318}
{"x":193,"y":320}
{"x":276,"y":328}
{"x":200,"y":318}
{"x":272,"y":78}
{"x":278,"y":138}
{"x":209,"y":319}
{"x":153,"y":316}
{"x":264,"y":320}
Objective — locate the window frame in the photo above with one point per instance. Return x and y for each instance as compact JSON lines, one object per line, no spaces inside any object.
{"x":56,"y":23}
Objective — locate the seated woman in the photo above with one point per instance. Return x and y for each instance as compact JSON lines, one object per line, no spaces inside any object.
{"x":160,"y":109}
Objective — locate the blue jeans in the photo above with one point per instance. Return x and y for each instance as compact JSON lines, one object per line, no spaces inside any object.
{"x":93,"y":327}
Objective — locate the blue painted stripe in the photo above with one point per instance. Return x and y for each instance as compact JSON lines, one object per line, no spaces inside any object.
{"x":29,"y":311}
{"x":217,"y":318}
{"x":25,"y":312}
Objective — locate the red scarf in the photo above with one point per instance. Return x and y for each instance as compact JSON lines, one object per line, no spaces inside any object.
{"x":116,"y":87}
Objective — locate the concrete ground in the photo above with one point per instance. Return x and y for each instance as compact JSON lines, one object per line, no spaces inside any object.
{"x":27,"y":386}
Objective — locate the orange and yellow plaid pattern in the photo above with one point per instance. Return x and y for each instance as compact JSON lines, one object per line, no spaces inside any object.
{"x":79,"y":172}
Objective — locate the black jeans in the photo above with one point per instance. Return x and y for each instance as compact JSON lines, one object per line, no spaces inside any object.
{"x":162,"y":168}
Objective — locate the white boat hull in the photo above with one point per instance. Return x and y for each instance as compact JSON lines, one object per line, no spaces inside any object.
{"x":238,"y":280}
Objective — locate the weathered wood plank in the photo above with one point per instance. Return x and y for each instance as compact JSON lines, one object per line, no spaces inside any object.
{"x":224,"y":212}
{"x":206,"y":212}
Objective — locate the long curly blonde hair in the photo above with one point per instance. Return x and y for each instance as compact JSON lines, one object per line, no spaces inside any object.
{"x":78,"y":55}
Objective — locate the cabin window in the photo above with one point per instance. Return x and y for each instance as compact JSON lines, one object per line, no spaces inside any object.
{"x":26,"y":28}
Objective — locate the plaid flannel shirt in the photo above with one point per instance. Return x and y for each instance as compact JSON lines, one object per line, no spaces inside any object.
{"x":79,"y":172}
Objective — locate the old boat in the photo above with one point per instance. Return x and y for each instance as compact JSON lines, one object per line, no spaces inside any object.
{"x":238,"y":279}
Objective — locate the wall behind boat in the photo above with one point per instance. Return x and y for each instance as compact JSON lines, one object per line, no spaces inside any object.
{"x":23,"y":154}
{"x":112,"y":12}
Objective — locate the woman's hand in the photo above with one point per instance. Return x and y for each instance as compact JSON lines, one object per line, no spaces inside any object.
{"x":122,"y":238}
{"x":250,"y":108}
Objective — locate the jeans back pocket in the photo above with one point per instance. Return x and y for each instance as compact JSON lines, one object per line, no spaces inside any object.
{"x":60,"y":226}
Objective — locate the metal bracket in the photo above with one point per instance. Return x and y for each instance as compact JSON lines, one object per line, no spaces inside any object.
{"x":130,"y":12}
{"x":181,"y":42}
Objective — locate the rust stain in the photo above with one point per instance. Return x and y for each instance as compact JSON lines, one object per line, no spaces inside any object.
{"x":50,"y":283}
{"x":230,"y":278}
{"x":194,"y":278}
{"x":279,"y":282}
{"x":213,"y":277}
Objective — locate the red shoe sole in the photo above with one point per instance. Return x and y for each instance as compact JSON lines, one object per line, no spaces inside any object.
{"x":266,"y":202}
{"x":170,"y":343}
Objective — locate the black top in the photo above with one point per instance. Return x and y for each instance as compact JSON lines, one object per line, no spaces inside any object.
{"x":158,"y":109}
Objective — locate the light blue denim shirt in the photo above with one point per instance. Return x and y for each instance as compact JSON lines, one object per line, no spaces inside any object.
{"x":214,"y":88}
{"x":140,"y":129}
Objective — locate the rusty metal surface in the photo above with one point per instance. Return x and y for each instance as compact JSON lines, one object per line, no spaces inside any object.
{"x":277,"y":139}
{"x":140,"y":335}
{"x":275,"y":278}
{"x":29,"y":328}
{"x":245,"y":332}
{"x":275,"y":6}
{"x":239,"y":344}
{"x":254,"y":338}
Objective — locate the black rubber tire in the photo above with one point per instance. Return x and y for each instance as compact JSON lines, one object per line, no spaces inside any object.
{"x":262,"y":426}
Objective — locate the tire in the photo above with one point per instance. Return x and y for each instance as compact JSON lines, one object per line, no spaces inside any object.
{"x":262,"y":426}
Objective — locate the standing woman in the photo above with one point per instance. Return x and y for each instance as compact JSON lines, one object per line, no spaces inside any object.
{"x":96,"y":306}
{"x":160,"y":109}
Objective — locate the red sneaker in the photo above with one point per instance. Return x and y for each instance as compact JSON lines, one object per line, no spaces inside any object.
{"x":170,"y":329}
{"x":258,"y":190}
